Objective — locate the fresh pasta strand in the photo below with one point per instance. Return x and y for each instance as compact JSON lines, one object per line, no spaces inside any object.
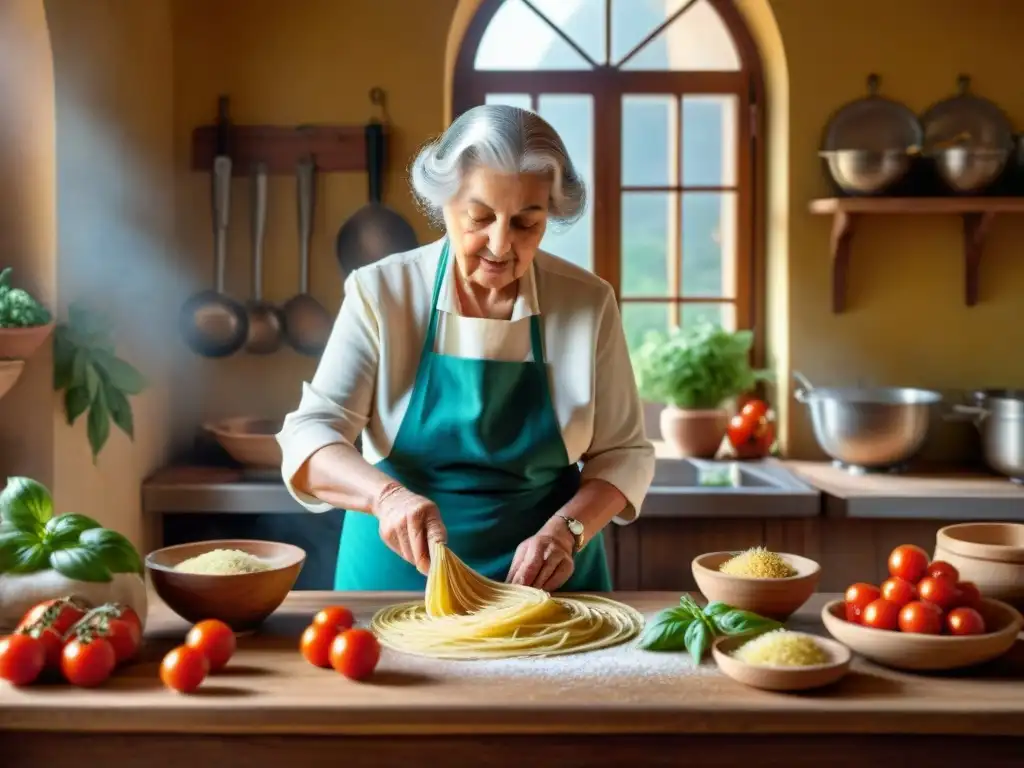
{"x":465,"y":615}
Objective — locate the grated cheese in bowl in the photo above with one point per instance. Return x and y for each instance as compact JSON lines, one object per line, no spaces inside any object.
{"x":758,"y":563}
{"x":782,"y":648}
{"x":222,"y":562}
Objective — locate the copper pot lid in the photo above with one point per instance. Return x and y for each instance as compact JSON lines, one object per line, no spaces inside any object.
{"x":874,"y":123}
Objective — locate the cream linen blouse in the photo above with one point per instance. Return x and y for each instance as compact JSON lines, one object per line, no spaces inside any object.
{"x":366,"y":373}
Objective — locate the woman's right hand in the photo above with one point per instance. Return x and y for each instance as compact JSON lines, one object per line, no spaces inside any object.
{"x":408,"y":524}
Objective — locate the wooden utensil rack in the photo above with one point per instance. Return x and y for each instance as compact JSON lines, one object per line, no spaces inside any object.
{"x":336,"y":148}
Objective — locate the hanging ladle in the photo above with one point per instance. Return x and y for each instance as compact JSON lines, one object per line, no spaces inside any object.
{"x":307,"y":324}
{"x":265,"y":319}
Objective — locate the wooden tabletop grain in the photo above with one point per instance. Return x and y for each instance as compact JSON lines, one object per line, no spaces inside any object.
{"x":269,"y":689}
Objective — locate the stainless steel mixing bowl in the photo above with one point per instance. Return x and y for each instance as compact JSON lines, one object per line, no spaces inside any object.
{"x":970,"y":169}
{"x":869,"y":428}
{"x":867,"y":172}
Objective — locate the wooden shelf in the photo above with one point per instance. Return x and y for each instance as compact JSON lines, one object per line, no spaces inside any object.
{"x":977,"y":214}
{"x":336,"y":148}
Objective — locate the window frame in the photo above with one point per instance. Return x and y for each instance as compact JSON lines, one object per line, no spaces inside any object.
{"x":607,"y":85}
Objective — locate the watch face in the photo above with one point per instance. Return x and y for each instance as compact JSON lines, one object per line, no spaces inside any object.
{"x":575,"y":527}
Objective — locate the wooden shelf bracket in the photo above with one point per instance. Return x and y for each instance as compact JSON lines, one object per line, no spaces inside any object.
{"x":842,"y":235}
{"x":976,"y":229}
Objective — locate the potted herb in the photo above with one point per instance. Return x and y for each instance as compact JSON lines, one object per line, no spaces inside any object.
{"x":95,"y":381}
{"x":693,"y":372}
{"x":24,"y":322}
{"x":43,"y":556}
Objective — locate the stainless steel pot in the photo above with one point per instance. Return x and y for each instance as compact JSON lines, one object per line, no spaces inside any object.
{"x":999,"y":416}
{"x":869,"y":428}
{"x":865,"y":171}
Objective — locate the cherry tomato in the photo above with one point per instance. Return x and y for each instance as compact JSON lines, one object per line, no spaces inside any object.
{"x":908,"y":562}
{"x":857,"y":597}
{"x":315,"y":644}
{"x":114,"y":624}
{"x":215,"y":640}
{"x":751,"y":436}
{"x":53,"y":644}
{"x":754,"y":409}
{"x":355,"y":653}
{"x":899,"y":591}
{"x":940,"y":569}
{"x":59,"y":614}
{"x":88,"y":661}
{"x":22,"y":658}
{"x":969,"y":594}
{"x":965,"y":621}
{"x":184,"y":669}
{"x":881,"y":614}
{"x":920,"y":618}
{"x":337,"y":617}
{"x":940,"y":592}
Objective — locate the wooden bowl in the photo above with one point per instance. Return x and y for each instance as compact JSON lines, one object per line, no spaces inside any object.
{"x":989,"y":554}
{"x":783,"y":678}
{"x":242,"y":601}
{"x":250,"y":441}
{"x":10,"y":372}
{"x":901,"y":650}
{"x":772,"y":598}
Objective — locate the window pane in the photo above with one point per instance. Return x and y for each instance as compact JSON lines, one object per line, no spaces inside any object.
{"x":698,"y":40}
{"x":518,"y":39}
{"x":581,"y":20}
{"x":640,"y":319}
{"x":722,"y":314}
{"x":648,"y":141}
{"x":709,"y":141}
{"x":709,"y":244}
{"x":633,"y":20}
{"x":572,"y":115}
{"x":648,"y":242}
{"x":521,"y":100}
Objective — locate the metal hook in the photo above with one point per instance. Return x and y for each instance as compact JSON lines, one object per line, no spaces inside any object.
{"x":379,"y":99}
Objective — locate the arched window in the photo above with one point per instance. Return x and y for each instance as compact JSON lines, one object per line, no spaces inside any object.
{"x":656,"y":101}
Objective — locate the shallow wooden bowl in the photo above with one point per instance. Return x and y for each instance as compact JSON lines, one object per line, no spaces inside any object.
{"x":250,"y":441}
{"x":242,"y":601}
{"x":989,"y":554}
{"x":901,"y":650}
{"x":783,"y":678}
{"x":773,"y":598}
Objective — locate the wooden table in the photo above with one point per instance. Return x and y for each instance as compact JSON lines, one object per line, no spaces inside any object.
{"x":271,"y":708}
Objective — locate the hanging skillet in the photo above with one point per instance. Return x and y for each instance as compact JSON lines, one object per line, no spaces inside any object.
{"x":375,"y":230}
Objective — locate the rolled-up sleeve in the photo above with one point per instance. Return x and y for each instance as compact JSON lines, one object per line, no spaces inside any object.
{"x":335,"y":405}
{"x":619,"y":452}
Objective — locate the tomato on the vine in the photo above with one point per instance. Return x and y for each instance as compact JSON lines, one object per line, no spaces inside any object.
{"x":59,"y":614}
{"x":920,"y":618}
{"x":909,"y":562}
{"x":53,"y":643}
{"x":856,"y":599}
{"x":184,"y":669}
{"x":965,"y":621}
{"x":88,"y":660}
{"x":215,"y":640}
{"x":22,"y":658}
{"x":355,"y":653}
{"x":899,"y":591}
{"x":751,"y":431}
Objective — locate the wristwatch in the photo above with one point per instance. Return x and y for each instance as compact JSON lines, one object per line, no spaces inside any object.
{"x":576,"y":529}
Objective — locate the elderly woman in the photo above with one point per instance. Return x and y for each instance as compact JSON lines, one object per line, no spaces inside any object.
{"x":483,"y":374}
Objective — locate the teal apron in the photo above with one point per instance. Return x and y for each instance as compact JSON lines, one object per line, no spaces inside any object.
{"x":480,"y":439}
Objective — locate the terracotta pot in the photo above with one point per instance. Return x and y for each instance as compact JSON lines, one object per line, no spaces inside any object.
{"x":22,"y":343}
{"x":694,"y":433}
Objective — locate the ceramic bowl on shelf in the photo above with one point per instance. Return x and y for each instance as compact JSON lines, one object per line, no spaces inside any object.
{"x":250,"y":441}
{"x":989,"y":554}
{"x":242,"y":600}
{"x":772,"y":598}
{"x":927,"y":653}
{"x":773,"y":678}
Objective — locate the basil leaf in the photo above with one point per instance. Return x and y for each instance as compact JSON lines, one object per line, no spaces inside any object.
{"x":114,"y":550}
{"x":80,"y":564}
{"x":666,"y":631}
{"x":120,"y":374}
{"x":688,"y":604}
{"x":739,"y":622}
{"x":716,"y":608}
{"x":12,"y":543}
{"x":63,"y":531}
{"x":76,"y":400}
{"x":98,"y":425}
{"x":698,"y":638}
{"x":28,"y":558}
{"x":26,"y":505}
{"x":120,"y":409}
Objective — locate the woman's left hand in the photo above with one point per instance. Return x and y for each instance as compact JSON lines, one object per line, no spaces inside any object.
{"x":545,"y":559}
